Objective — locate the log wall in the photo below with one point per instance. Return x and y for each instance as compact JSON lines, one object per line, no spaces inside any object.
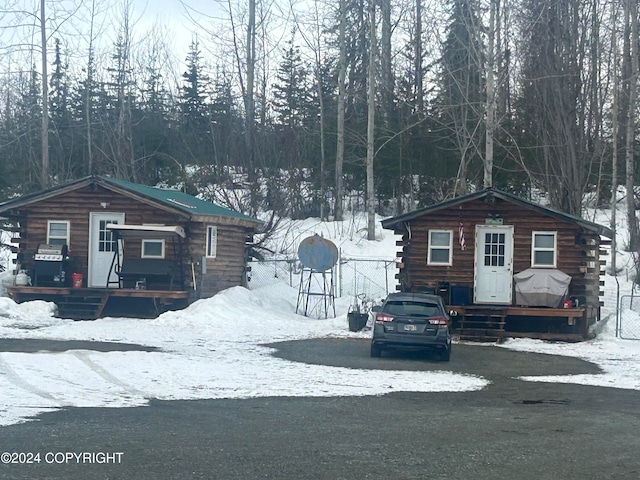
{"x":578,"y":251}
{"x":226,"y":270}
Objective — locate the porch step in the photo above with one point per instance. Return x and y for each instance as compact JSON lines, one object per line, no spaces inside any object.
{"x":480,"y":323}
{"x":480,"y":334}
{"x":497,"y":323}
{"x":82,"y":306}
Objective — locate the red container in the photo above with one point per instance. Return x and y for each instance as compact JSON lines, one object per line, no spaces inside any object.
{"x":76,"y":280}
{"x":567,"y":304}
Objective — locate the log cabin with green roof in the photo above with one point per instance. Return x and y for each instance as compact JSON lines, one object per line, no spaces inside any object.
{"x":99,"y":246}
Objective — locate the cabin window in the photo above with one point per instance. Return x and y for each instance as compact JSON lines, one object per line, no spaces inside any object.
{"x":440,"y":247}
{"x":58,"y":232}
{"x":152,"y":248}
{"x":543,"y":249}
{"x":212,"y":240}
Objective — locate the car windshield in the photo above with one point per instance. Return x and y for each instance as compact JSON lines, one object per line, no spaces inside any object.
{"x":412,"y":309}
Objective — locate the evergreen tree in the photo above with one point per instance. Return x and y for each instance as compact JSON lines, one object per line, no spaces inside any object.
{"x":196,"y":132}
{"x":291,"y":101}
{"x":291,"y":92}
{"x":63,"y":147}
{"x":25,"y":145}
{"x":554,"y":103}
{"x":461,"y":99}
{"x":155,"y":138}
{"x":117,"y":121}
{"x":226,"y":122}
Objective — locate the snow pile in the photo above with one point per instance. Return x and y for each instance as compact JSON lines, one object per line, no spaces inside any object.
{"x":210,"y":350}
{"x":215,"y":348}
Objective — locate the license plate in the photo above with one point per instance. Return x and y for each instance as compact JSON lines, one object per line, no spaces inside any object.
{"x":409,"y":328}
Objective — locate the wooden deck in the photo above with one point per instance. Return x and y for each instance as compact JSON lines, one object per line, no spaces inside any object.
{"x":92,"y":303}
{"x":493,"y":323}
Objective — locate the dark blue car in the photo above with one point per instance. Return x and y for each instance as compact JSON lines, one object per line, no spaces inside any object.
{"x":412,"y":321}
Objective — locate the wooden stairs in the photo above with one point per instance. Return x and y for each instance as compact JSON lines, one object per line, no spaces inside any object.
{"x":488,"y":323}
{"x":82,"y":304}
{"x":481,"y":324}
{"x":90,"y":303}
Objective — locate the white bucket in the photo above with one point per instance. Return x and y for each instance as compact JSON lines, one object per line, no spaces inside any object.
{"x":22,"y":279}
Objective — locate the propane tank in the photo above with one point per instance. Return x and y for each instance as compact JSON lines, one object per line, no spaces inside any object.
{"x":22,"y":279}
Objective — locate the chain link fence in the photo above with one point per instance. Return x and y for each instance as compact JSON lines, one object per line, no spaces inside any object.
{"x":629,"y":321}
{"x":372,"y":279}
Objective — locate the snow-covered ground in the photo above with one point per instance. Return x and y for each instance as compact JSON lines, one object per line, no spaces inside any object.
{"x":214,"y":349}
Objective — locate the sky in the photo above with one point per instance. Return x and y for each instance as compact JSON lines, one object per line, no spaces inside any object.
{"x":215,"y":349}
{"x":70,"y":21}
{"x":175,"y":15}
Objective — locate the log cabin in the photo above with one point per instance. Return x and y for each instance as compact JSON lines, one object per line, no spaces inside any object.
{"x":99,"y":246}
{"x":505,"y":266}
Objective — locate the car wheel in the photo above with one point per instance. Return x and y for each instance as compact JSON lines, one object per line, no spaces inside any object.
{"x":445,"y":356}
{"x":375,"y":351}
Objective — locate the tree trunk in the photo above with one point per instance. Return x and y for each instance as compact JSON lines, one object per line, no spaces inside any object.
{"x":633,"y":90}
{"x":371,"y":108}
{"x":387,"y":87}
{"x":342,"y":72}
{"x":323,"y":198}
{"x":614,"y":135}
{"x":88,"y":101}
{"x":491,"y":101}
{"x":44,"y":174}
{"x":250,"y":99}
{"x":418,"y":80}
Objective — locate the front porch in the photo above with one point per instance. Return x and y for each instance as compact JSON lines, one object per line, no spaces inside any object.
{"x":93,"y":303}
{"x":494,"y":322}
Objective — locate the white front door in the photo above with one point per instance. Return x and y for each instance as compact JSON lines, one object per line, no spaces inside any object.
{"x":102,"y":247}
{"x":493,"y":264}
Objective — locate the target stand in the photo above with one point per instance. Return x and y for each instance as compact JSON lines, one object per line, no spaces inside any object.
{"x":316,"y":292}
{"x":318,"y":256}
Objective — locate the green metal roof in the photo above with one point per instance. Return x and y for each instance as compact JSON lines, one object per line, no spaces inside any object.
{"x":178,"y":199}
{"x":169,"y":198}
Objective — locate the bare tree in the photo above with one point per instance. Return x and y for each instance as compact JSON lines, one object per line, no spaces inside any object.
{"x":44,"y":174}
{"x":631,"y":10}
{"x":314,"y":42}
{"x":89,"y":82}
{"x":614,"y":134}
{"x":490,"y":116}
{"x":386,"y":86}
{"x":342,"y":72}
{"x":462,"y":100}
{"x":371,"y":108}
{"x":249,"y":100}
{"x":418,"y":74}
{"x":120,"y":143}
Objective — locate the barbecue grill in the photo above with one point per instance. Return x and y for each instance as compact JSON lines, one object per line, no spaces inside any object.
{"x":49,"y":265}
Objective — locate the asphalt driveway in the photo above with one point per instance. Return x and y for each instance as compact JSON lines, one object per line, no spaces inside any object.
{"x":512,"y":429}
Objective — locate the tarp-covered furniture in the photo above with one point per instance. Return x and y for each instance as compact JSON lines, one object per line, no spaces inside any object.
{"x":541,"y":287}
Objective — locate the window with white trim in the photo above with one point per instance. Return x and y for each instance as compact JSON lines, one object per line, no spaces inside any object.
{"x":212,"y":241}
{"x":440,"y":247}
{"x":152,"y":248}
{"x":58,"y":232}
{"x":544,"y":249}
